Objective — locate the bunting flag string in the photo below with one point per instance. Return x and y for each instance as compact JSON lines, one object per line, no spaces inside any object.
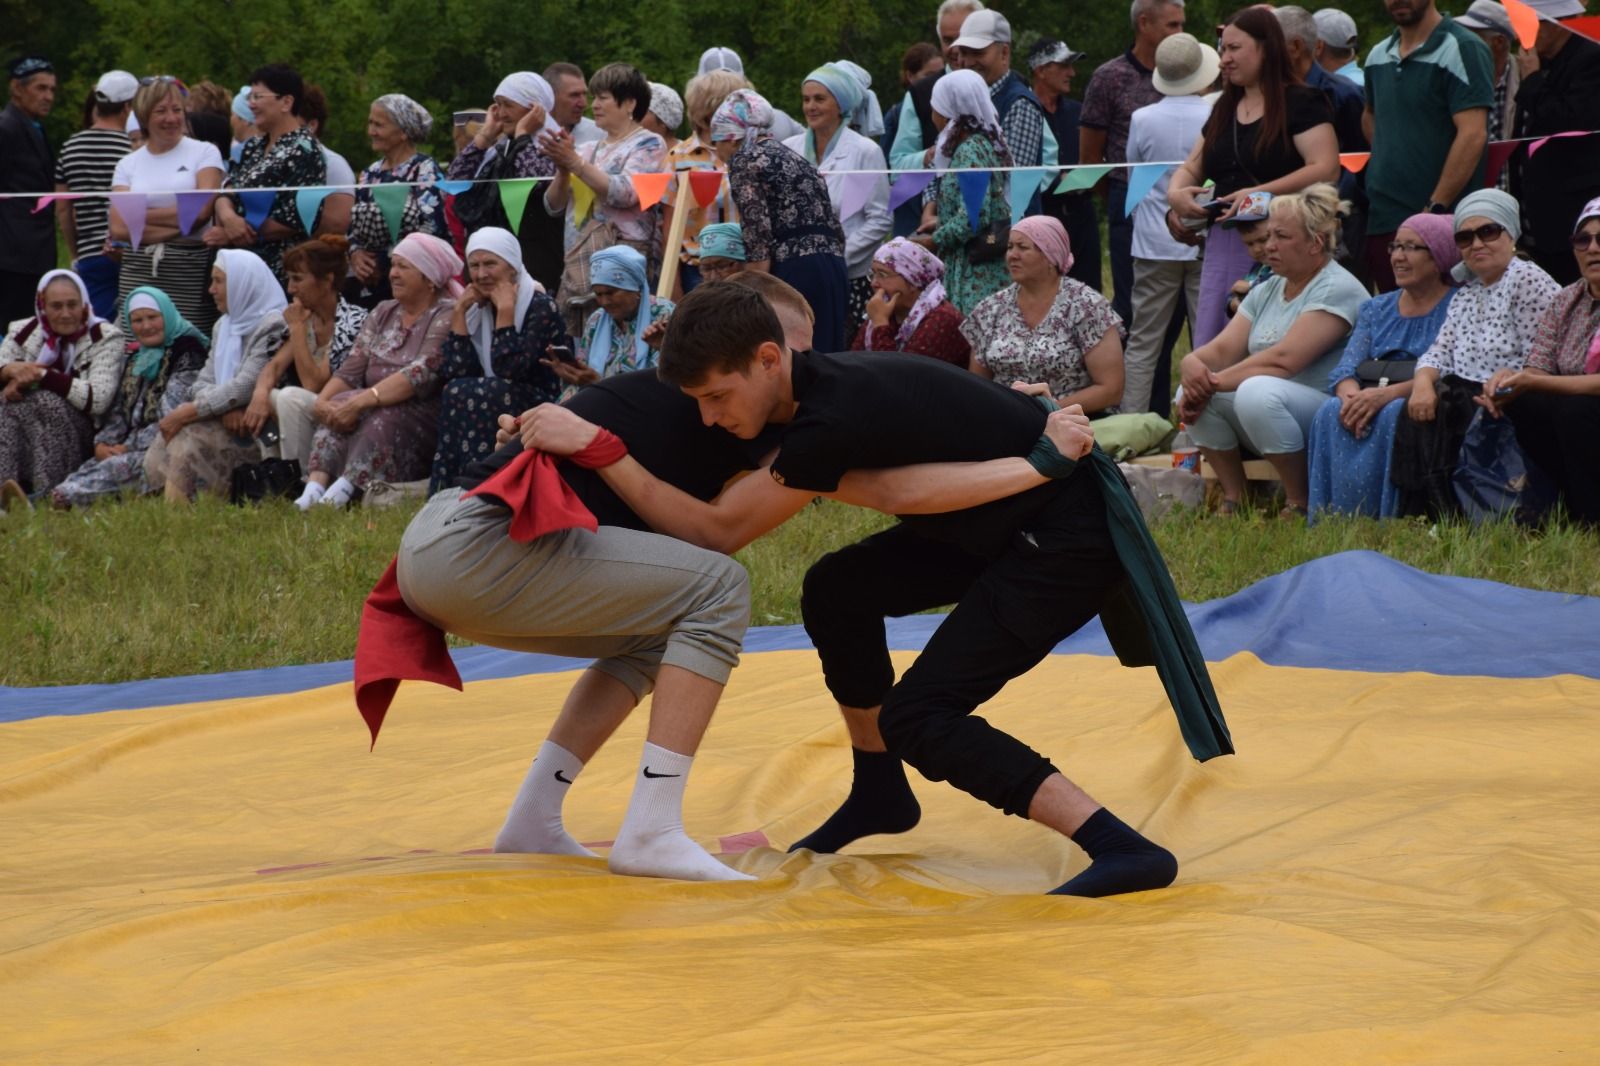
{"x":907,"y":186}
{"x":974,"y":187}
{"x":391,"y":200}
{"x":1499,"y":153}
{"x":855,"y":192}
{"x":1024,"y":183}
{"x":453,"y":188}
{"x":650,"y":188}
{"x":307,"y":203}
{"x":1084,"y":177}
{"x":257,"y":205}
{"x":131,"y":208}
{"x":1524,"y":22}
{"x":1141,"y":179}
{"x":514,"y":194}
{"x":582,"y":202}
{"x":1354,"y":162}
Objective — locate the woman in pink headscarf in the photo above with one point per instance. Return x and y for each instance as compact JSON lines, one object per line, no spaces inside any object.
{"x":909,"y":311}
{"x":379,"y":412}
{"x":1046,"y":333}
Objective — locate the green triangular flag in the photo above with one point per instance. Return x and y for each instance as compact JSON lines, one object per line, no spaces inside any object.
{"x":391,"y":201}
{"x":514,"y":198}
{"x":1081,"y":177}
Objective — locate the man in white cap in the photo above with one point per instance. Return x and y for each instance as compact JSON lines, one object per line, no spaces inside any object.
{"x":1164,"y":271}
{"x":716,"y":58}
{"x":1337,"y":41}
{"x":1488,"y":19}
{"x":985,"y":46}
{"x":1560,"y":92}
{"x":85,"y":164}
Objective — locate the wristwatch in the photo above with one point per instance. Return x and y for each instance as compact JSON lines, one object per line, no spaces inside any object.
{"x":1436,"y":208}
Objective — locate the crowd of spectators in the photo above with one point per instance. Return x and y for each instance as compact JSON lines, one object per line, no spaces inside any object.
{"x":1363,"y":280}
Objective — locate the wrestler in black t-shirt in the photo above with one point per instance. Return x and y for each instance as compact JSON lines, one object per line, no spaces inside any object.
{"x":663,"y":432}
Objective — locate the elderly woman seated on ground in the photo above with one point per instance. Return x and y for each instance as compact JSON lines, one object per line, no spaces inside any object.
{"x":624,"y":333}
{"x":59,"y":372}
{"x":909,"y":311}
{"x":1262,"y":379}
{"x":498,"y":354}
{"x":1045,"y":332}
{"x":1352,"y":435}
{"x":158,"y":378}
{"x":379,"y":412}
{"x":1554,"y":401}
{"x":202,"y":440}
{"x":1489,"y":328}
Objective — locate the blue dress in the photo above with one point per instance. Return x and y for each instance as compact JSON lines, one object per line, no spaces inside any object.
{"x":1350,"y":475}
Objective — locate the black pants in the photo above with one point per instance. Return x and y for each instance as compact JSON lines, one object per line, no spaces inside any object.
{"x":17,"y":291}
{"x":1561,"y":434}
{"x":1012,"y":608}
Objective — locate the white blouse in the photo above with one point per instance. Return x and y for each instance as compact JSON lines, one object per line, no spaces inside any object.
{"x":867,"y":226}
{"x":1491,"y":327}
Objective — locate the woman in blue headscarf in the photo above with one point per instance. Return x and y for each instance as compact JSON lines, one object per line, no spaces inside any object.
{"x":156,"y":379}
{"x":619,"y":336}
{"x":830,"y":96}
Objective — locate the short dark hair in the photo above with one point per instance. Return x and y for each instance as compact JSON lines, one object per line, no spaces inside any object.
{"x":284,"y":80}
{"x":562,"y":70}
{"x":623,"y":82}
{"x":315,"y":109}
{"x":716,"y":329}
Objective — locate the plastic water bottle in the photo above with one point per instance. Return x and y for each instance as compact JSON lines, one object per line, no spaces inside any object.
{"x":1185,"y":453}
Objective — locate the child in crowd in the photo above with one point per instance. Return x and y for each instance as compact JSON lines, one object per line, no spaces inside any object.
{"x":1251,"y":222}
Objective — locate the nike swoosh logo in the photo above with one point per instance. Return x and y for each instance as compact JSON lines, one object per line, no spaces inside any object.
{"x":647,"y":773}
{"x":563,"y":780}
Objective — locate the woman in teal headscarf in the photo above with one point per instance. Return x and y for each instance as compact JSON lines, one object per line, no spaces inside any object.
{"x":157,"y":378}
{"x":722,"y":253}
{"x":833,"y":95}
{"x":622,"y":335}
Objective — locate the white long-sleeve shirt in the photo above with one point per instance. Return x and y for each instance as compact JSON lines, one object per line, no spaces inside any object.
{"x":869,"y":225}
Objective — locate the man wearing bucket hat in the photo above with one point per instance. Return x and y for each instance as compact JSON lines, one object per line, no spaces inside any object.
{"x":1560,"y":93}
{"x":1164,"y":271}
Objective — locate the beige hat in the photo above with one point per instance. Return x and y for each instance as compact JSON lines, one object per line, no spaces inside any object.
{"x":1184,"y":66}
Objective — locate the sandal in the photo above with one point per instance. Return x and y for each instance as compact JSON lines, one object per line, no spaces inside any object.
{"x":1293,"y":512}
{"x":1228,"y":507}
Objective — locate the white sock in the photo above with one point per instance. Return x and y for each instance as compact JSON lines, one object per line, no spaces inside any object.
{"x":314,"y":492}
{"x":534,"y":822}
{"x":652,"y":842}
{"x":338,"y":494}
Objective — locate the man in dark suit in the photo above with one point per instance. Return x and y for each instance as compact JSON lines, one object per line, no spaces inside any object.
{"x":27,"y":240}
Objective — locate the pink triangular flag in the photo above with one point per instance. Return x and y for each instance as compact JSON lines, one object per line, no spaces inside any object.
{"x":131,"y":206}
{"x":1499,"y":152}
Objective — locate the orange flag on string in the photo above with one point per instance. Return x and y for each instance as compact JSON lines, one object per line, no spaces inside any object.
{"x":650,"y":187}
{"x":705,"y":185}
{"x":1354,"y":162}
{"x":1524,"y":20}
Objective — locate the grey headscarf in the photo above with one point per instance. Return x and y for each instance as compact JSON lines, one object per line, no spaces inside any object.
{"x":1494,"y":205}
{"x":412,"y":118}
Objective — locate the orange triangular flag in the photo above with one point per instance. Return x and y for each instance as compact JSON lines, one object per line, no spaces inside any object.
{"x":1354,"y":162}
{"x":1525,"y":20}
{"x":651,"y":188}
{"x":705,"y":185}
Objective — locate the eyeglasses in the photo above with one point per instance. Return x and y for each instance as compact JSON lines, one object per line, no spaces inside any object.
{"x":258,"y":98}
{"x":1580,"y":241}
{"x":1489,"y":231}
{"x":1408,"y":248}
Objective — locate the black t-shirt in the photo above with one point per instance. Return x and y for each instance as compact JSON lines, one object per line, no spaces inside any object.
{"x":662,"y":429}
{"x":873,"y":410}
{"x":1230,"y":159}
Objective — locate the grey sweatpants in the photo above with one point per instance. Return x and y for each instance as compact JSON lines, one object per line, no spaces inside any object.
{"x":630,"y":600}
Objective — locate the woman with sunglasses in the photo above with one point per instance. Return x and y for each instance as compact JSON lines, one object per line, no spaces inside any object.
{"x":170,"y":256}
{"x":1557,"y":395}
{"x":1489,"y":328}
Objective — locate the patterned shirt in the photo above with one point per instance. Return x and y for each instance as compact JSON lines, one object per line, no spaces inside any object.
{"x":1492,"y":327}
{"x":622,"y":358}
{"x":386,"y":346}
{"x":1023,"y":126}
{"x":937,"y":335}
{"x":640,"y":152}
{"x":515,"y":352}
{"x":1116,"y":90}
{"x":1052,"y":351}
{"x":86,"y":164}
{"x":1562,"y":340}
{"x":784,"y":204}
{"x":295,"y":160}
{"x":526,"y":159}
{"x":423,"y":211}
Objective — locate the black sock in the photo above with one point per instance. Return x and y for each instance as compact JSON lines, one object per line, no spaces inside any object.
{"x":880,"y":801}
{"x":1120,"y":860}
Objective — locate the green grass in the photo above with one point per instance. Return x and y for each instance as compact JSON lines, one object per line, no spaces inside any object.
{"x":143,"y":590}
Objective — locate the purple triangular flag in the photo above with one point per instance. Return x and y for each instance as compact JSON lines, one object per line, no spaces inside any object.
{"x":854,"y":193}
{"x":906,"y":186}
{"x":189,"y":206}
{"x":131,"y":206}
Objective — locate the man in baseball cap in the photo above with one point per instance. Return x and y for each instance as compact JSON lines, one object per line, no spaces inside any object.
{"x":1488,"y":19}
{"x":1337,"y":42}
{"x":985,"y":47}
{"x":116,"y":87}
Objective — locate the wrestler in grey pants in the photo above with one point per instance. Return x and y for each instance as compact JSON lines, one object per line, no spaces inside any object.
{"x":631,"y":600}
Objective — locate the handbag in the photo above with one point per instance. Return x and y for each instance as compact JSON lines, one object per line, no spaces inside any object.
{"x":254,"y":482}
{"x":990,"y":243}
{"x":1378,"y":373}
{"x":1494,"y":479}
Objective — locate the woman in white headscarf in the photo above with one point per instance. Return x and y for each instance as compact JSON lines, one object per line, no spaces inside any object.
{"x":379,"y":412}
{"x":203,"y":440}
{"x":969,"y":139}
{"x":59,"y":372}
{"x":830,"y":96}
{"x":504,"y":333}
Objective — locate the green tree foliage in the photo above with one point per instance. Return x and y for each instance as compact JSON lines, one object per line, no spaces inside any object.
{"x":449,"y":54}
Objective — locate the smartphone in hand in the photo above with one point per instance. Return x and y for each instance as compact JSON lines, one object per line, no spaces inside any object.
{"x":561,"y":352}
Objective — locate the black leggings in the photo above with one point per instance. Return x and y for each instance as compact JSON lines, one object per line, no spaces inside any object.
{"x":1011,"y":610}
{"x":1561,"y":434}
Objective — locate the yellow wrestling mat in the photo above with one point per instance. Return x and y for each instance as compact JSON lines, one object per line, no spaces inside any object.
{"x":1396,"y":868}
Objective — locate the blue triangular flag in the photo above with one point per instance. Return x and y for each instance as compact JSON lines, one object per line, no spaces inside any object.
{"x":454,"y":188}
{"x":1141,"y":179}
{"x":1024,"y":183}
{"x":974,"y":187}
{"x":257,"y":205}
{"x":308,"y":202}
